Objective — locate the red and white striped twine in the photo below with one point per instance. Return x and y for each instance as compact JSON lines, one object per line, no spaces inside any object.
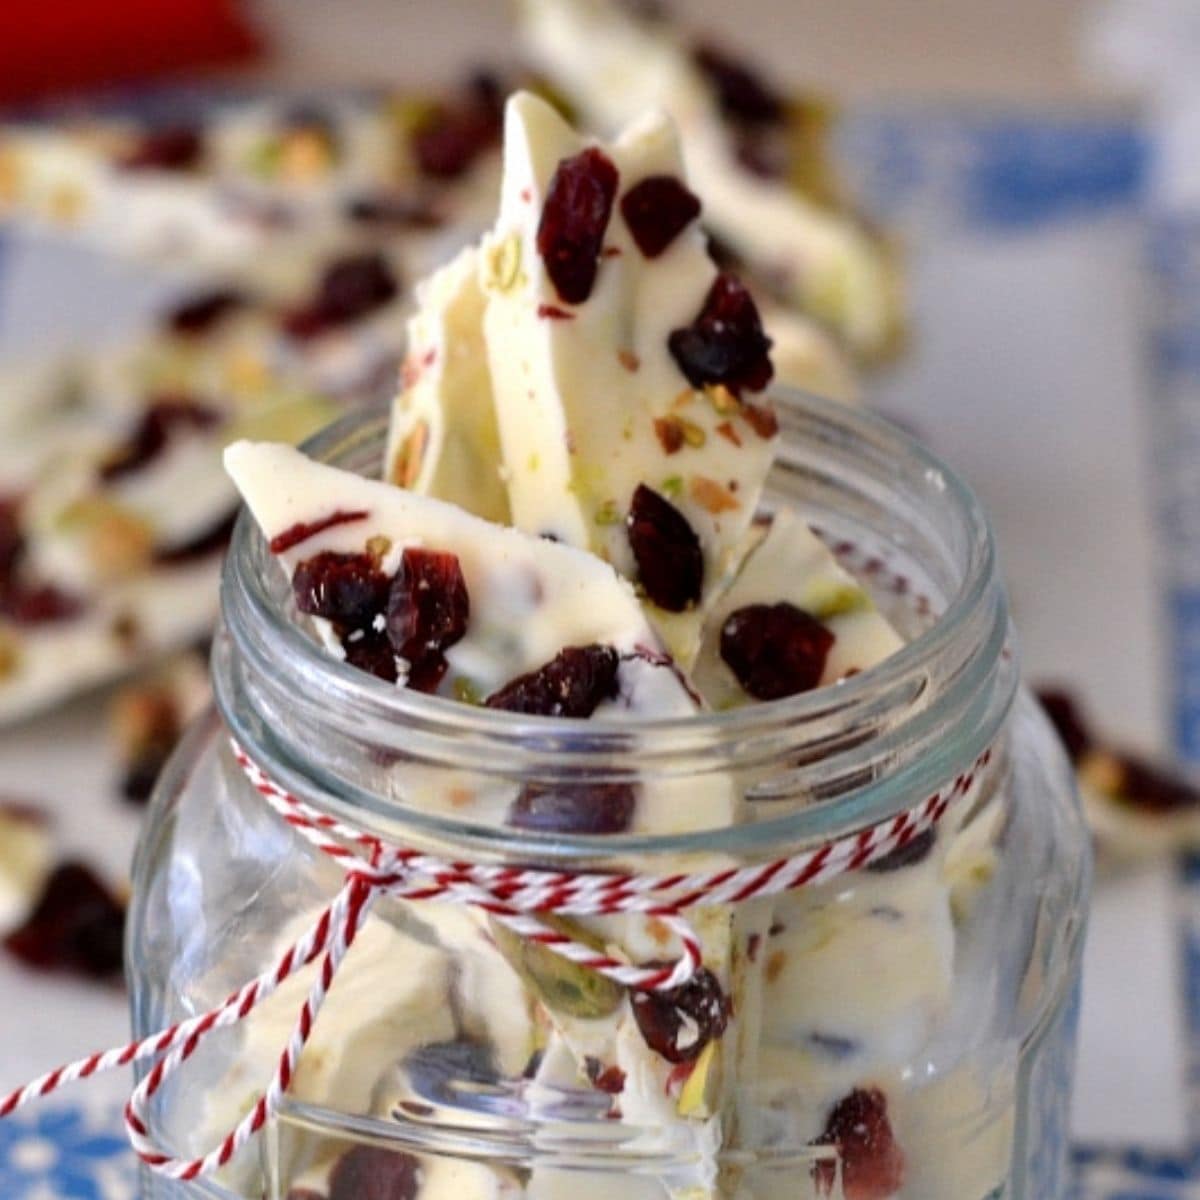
{"x":518,"y":896}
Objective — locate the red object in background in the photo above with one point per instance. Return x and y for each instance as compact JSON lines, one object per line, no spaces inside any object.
{"x":49,"y":48}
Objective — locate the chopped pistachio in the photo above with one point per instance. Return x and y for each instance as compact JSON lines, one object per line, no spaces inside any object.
{"x":692,"y":433}
{"x":564,"y":986}
{"x":466,"y":691}
{"x":825,"y":598}
{"x":502,"y":264}
{"x":379,"y":546}
{"x":608,"y":514}
{"x":672,"y":486}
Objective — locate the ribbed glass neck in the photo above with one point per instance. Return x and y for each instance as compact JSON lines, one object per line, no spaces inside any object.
{"x":812,"y":766}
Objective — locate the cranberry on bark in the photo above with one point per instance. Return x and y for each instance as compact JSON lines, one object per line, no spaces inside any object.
{"x":449,"y":141}
{"x":371,"y":1173}
{"x":725,"y":343}
{"x":77,"y":925}
{"x":872,"y":1163}
{"x":667,"y":551}
{"x":775,"y":650}
{"x":159,"y":423}
{"x":350,"y":288}
{"x":1144,"y":786}
{"x":574,"y":217}
{"x":657,"y":210}
{"x":199,"y":313}
{"x":587,"y":808}
{"x":371,"y":651}
{"x":572,"y":684}
{"x":743,"y":95}
{"x":12,"y":541}
{"x":427,"y":612}
{"x":348,"y":589}
{"x":679,"y":1023}
{"x":390,"y":209}
{"x":1068,"y":720}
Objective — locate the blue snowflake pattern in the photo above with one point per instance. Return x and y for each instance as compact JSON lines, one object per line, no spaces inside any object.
{"x":63,"y":1154}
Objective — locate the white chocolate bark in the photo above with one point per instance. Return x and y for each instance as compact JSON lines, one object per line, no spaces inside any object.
{"x":577,"y":398}
{"x":443,"y":439}
{"x":613,"y":67}
{"x":530,"y":597}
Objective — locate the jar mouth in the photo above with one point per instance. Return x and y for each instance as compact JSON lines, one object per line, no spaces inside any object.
{"x":940,"y":684}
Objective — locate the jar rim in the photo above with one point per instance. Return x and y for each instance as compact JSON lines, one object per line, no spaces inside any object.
{"x":972,"y":631}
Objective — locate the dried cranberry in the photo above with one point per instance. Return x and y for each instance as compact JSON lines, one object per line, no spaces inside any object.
{"x":427,"y":611}
{"x":200,"y":313}
{"x":142,"y":773}
{"x":76,"y":925}
{"x":371,"y":651}
{"x":348,"y":589}
{"x":371,"y":1173}
{"x":724,"y":255}
{"x":872,"y":1162}
{"x":668,"y":554}
{"x":1068,"y":720}
{"x":154,"y":724}
{"x":393,"y":210}
{"x":175,"y":149}
{"x":571,"y":684}
{"x":775,"y":650}
{"x":596,"y":808}
{"x":604,"y":1079}
{"x":657,"y":210}
{"x":23,"y":601}
{"x":725,"y":343}
{"x":12,"y":541}
{"x":915,"y":850}
{"x":350,"y":288}
{"x":1149,"y":788}
{"x":294,"y":535}
{"x":742,"y":94}
{"x":570,"y":233}
{"x":766,"y":156}
{"x":157,"y":425}
{"x":679,"y":1023}
{"x":454,"y":136}
{"x":200,"y":545}
{"x":39,"y":604}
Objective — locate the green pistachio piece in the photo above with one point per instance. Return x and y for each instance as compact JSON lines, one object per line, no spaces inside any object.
{"x":825,"y":598}
{"x":563,"y":986}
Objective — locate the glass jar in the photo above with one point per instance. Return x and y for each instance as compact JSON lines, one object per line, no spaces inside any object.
{"x":903,"y":1030}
